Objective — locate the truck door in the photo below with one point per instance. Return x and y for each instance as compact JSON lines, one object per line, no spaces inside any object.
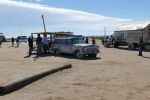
{"x":62,"y":46}
{"x":69,"y":46}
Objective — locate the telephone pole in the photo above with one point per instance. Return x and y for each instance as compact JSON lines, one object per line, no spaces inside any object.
{"x":44,"y":23}
{"x":105,"y":31}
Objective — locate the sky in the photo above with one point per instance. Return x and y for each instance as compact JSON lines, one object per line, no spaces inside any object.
{"x":85,"y":17}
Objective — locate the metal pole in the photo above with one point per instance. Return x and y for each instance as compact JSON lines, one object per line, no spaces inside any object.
{"x":142,"y":33}
{"x":105,"y":31}
{"x":44,"y":23}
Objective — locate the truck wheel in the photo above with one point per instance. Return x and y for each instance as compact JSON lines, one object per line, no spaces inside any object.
{"x":78,"y":55}
{"x":116,"y":45}
{"x":106,"y":44}
{"x":131,"y":46}
{"x":134,"y":46}
{"x":57,"y":52}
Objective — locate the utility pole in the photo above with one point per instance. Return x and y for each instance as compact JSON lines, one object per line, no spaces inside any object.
{"x":105,"y":31}
{"x":142,"y":33}
{"x":44,"y":23}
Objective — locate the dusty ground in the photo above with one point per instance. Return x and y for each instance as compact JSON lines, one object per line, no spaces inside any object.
{"x":119,"y":75}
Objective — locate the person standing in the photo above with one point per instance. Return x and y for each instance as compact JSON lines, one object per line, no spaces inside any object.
{"x":0,"y":43}
{"x":93,"y":41}
{"x":12,"y":41}
{"x":45,"y":44}
{"x":17,"y":42}
{"x":39,"y":44}
{"x":30,"y":43}
{"x":87,"y":40}
{"x":140,"y":46}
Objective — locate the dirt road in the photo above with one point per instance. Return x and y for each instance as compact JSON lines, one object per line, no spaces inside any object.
{"x":116,"y":74}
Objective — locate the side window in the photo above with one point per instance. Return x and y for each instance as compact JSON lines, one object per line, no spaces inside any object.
{"x":63,"y":42}
{"x":75,"y":41}
{"x":56,"y":42}
{"x":69,"y":41}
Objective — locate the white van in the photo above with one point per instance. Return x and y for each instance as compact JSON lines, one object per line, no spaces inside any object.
{"x":23,"y":39}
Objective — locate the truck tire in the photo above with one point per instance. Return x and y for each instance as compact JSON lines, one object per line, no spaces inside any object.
{"x":116,"y":44}
{"x":106,"y":44}
{"x":57,"y":52}
{"x":78,"y":55}
{"x":131,"y":46}
{"x":135,"y":45}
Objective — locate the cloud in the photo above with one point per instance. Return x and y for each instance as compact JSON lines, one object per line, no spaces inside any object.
{"x":133,"y":25}
{"x":25,"y":17}
{"x":38,"y":0}
{"x":26,"y":0}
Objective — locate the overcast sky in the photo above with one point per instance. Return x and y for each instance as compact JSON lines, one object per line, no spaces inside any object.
{"x":22,"y":17}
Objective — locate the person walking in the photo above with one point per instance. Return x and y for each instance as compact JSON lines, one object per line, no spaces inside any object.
{"x":12,"y":41}
{"x":140,"y":46}
{"x":39,"y":44}
{"x":30,"y":43}
{"x":45,"y":44}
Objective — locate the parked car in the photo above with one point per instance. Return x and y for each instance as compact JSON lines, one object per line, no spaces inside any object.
{"x":74,"y":46}
{"x":2,"y":37}
{"x":23,"y":39}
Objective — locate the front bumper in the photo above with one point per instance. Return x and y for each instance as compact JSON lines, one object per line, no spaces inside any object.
{"x":89,"y":52}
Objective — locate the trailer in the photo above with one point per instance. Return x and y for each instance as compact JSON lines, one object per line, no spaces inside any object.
{"x":130,"y":38}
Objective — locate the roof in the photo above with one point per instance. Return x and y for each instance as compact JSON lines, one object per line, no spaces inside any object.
{"x":67,"y":38}
{"x":128,"y":30}
{"x":1,"y":34}
{"x":58,"y":33}
{"x":139,"y":26}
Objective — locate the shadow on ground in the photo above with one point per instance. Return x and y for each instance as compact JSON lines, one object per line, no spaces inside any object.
{"x":146,"y":57}
{"x":68,"y":56}
{"x":125,"y":48}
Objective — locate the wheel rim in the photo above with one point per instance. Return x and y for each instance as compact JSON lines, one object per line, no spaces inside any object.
{"x":78,"y":55}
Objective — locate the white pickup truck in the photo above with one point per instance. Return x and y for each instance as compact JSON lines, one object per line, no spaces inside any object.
{"x":75,"y":46}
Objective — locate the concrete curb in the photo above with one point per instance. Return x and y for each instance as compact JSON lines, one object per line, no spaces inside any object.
{"x":26,"y":81}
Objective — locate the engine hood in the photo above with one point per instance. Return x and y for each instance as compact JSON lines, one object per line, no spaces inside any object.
{"x":85,"y":45}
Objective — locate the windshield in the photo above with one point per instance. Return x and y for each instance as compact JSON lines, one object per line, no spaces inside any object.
{"x":78,"y":40}
{"x":22,"y":37}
